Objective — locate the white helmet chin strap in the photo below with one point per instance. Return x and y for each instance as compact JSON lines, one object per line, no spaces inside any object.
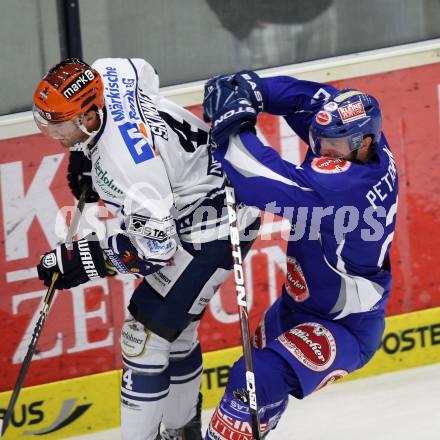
{"x":91,"y":134}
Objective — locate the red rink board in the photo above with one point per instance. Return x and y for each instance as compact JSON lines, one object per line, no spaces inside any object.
{"x":81,"y":335}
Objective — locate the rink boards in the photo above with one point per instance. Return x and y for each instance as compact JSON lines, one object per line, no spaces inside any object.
{"x":91,"y":403}
{"x":81,"y":334}
{"x":78,"y":358}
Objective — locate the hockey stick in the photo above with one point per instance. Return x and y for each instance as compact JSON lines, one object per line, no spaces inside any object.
{"x":242,"y":309}
{"x":47,"y":301}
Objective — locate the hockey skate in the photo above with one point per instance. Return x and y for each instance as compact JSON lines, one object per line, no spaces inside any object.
{"x":171,"y":434}
{"x":191,"y":431}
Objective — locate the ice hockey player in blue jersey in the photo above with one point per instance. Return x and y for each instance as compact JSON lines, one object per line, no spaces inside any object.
{"x":341,"y":202}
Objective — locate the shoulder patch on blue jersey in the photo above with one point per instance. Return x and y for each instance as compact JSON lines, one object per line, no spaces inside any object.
{"x":327,"y":165}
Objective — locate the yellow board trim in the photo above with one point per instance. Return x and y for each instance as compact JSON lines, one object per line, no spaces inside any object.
{"x":94,"y":400}
{"x":410,"y":340}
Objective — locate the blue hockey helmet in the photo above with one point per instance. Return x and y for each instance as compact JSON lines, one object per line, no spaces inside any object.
{"x":343,"y":121}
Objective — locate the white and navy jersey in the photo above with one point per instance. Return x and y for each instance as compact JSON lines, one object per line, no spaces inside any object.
{"x":343,"y":213}
{"x":150,"y":160}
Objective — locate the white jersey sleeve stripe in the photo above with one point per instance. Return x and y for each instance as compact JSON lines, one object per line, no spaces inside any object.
{"x":242,"y":160}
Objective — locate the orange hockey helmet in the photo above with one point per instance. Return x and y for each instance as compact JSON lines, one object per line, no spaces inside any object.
{"x":69,"y":89}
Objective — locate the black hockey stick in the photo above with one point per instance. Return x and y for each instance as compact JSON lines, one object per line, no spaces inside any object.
{"x":242,"y":309}
{"x":47,"y":301}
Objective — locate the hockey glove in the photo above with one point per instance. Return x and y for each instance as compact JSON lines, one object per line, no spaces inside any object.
{"x":231,"y":120}
{"x":249,"y":82}
{"x":221,"y":89}
{"x":83,"y":263}
{"x":79,"y":176}
{"x":228,"y":108}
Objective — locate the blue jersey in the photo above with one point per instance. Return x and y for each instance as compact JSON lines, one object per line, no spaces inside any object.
{"x":342,"y":213}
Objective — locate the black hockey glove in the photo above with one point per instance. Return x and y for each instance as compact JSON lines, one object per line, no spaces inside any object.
{"x":83,"y":263}
{"x":79,"y":176}
{"x":228,"y":108}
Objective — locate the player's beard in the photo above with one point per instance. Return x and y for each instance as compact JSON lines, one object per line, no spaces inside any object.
{"x":70,"y":141}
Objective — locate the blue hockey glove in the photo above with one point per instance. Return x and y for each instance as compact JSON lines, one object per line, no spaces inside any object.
{"x":232,"y":119}
{"x":219,"y":90}
{"x":249,"y":82}
{"x":222,"y":89}
{"x":228,"y":107}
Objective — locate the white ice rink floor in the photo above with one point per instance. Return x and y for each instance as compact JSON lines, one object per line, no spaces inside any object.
{"x":395,"y":406}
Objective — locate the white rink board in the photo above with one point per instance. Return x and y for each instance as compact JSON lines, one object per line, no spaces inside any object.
{"x":395,"y":406}
{"x":324,"y":70}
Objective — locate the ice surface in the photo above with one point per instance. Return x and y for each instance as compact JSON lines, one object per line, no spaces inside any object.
{"x":403,"y":405}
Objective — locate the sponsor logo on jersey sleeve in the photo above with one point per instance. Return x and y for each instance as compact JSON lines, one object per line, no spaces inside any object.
{"x":323,"y":118}
{"x":327,"y":165}
{"x":352,"y":112}
{"x":137,"y":143}
{"x":125,"y":107}
{"x":295,"y":284}
{"x":311,"y":344}
{"x":154,"y":229}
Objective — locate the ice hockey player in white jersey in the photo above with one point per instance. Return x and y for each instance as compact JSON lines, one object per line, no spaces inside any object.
{"x":142,"y":155}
